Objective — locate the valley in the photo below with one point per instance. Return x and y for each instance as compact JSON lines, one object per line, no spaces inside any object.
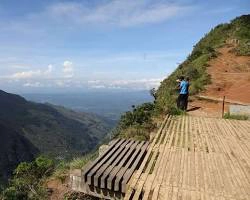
{"x":29,"y":129}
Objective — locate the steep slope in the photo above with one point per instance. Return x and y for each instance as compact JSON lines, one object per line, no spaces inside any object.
{"x":29,"y":128}
{"x":217,"y":66}
{"x":14,"y":148}
{"x":230,"y":76}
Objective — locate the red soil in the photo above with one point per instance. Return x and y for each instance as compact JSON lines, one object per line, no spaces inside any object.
{"x":58,"y":189}
{"x":230,"y":76}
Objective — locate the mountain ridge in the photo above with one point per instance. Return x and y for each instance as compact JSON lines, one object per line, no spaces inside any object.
{"x":34,"y":128}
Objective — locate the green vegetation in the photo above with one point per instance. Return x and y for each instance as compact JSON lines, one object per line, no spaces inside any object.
{"x":80,"y":162}
{"x":136,"y":123}
{"x":234,"y":116}
{"x":28,"y":180}
{"x":61,"y":170}
{"x":241,"y":31}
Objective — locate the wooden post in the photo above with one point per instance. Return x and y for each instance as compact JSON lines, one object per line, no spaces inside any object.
{"x":223,"y":106}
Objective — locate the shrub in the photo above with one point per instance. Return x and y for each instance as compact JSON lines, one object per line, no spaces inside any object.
{"x":61,"y":171}
{"x":27,"y":182}
{"x":78,"y":163}
{"x":139,"y":115}
{"x":136,"y":123}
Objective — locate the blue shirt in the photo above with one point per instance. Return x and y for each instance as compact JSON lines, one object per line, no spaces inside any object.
{"x":184,"y":87}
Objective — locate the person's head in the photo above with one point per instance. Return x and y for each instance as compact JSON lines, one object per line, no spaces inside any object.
{"x":187,"y":79}
{"x":181,"y":78}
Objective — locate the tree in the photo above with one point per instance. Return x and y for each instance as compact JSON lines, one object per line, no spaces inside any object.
{"x":153,"y":93}
{"x":27,"y":182}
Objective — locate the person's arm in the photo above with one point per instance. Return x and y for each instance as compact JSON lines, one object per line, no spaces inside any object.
{"x":180,"y":85}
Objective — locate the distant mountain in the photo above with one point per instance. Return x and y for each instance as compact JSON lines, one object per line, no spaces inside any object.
{"x":27,"y":129}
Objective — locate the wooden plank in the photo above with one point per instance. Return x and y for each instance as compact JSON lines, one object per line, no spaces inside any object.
{"x":167,"y":165}
{"x":235,"y":175}
{"x":92,"y":165}
{"x":110,"y":161}
{"x":214,"y":163}
{"x":154,"y":163}
{"x":224,"y":166}
{"x":129,"y":173}
{"x":168,"y":170}
{"x":212,"y":160}
{"x":115,"y":170}
{"x":118,"y":162}
{"x":140,"y":170}
{"x":161,"y":162}
{"x":105,"y":159}
{"x":113,"y":176}
{"x":154,"y":184}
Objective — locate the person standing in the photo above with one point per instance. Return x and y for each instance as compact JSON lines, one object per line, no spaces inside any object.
{"x":187,"y":95}
{"x":183,"y":93}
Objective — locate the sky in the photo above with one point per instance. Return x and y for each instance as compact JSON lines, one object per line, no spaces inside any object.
{"x":78,"y":45}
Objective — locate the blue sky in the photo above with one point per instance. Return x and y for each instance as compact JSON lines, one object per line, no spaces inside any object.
{"x":53,"y":45}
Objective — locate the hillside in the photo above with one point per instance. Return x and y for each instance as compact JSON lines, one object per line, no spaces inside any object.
{"x":218,"y":65}
{"x":28,"y":129}
{"x":230,"y":77}
{"x":14,"y":148}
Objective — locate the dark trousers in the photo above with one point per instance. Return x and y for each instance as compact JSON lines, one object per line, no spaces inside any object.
{"x":182,"y":101}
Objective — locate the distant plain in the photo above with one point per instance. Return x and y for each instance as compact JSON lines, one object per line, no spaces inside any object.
{"x":109,"y":104}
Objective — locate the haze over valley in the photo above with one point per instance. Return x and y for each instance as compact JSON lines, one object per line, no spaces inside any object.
{"x":106,"y":103}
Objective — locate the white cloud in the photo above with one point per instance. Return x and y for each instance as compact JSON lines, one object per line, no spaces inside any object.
{"x":126,"y":84}
{"x":59,"y":83}
{"x":80,"y":83}
{"x":117,"y":12}
{"x":138,"y":83}
{"x":33,"y":84}
{"x":94,"y":82}
{"x":49,"y":70}
{"x":68,"y":69}
{"x":98,"y":86}
{"x":26,"y":74}
{"x":32,"y":73}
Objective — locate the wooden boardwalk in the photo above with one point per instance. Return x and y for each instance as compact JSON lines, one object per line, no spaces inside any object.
{"x":109,"y":174}
{"x":195,"y":158}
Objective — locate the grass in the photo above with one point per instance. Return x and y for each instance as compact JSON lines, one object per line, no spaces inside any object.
{"x":62,"y":169}
{"x":79,"y":163}
{"x":234,"y":116}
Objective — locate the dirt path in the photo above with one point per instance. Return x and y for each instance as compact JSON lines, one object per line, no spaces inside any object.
{"x":230,"y":76}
